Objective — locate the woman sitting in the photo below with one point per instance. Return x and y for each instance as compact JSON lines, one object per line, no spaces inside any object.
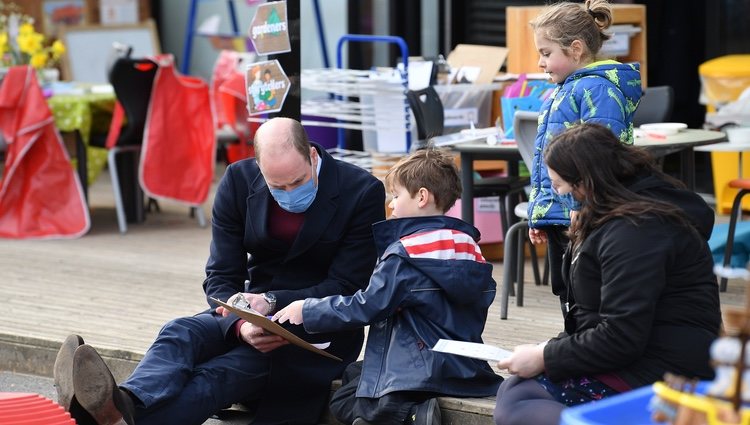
{"x":640,"y":298}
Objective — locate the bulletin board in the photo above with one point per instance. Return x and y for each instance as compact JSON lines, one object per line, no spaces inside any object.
{"x":89,"y":48}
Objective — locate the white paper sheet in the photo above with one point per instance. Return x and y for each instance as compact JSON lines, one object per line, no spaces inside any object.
{"x":472,"y":349}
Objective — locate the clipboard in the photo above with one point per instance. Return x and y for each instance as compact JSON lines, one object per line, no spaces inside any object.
{"x":276,"y":329}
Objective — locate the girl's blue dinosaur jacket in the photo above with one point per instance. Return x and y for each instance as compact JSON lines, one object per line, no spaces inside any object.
{"x":606,"y":93}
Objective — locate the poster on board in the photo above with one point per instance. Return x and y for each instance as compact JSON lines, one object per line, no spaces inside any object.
{"x":267,"y":86}
{"x":269,"y":29}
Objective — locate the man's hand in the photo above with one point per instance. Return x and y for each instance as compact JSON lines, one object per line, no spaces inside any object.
{"x":256,"y":301}
{"x":526,"y":361}
{"x":291,"y":313}
{"x":260,"y":339}
{"x":537,"y":236}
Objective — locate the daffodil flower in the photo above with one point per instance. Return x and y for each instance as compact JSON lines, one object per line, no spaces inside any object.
{"x":58,"y":48}
{"x":38,"y":60}
{"x":3,"y":42}
{"x":20,"y":43}
{"x":30,"y":43}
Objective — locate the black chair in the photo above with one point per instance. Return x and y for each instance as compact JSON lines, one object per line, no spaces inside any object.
{"x":656,"y":106}
{"x":132,"y":80}
{"x":428,"y":113}
{"x":516,"y":237}
{"x":743,"y":187}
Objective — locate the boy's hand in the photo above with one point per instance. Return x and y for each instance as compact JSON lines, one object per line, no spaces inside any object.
{"x":291,"y":313}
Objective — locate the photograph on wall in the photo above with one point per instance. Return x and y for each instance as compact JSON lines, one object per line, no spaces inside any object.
{"x":118,"y":12}
{"x":58,"y":13}
{"x":267,"y":86}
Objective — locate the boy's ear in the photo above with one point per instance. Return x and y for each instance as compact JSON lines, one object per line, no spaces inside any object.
{"x":423,"y":197}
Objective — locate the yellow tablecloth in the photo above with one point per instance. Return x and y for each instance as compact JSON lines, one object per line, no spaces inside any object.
{"x":85,"y":113}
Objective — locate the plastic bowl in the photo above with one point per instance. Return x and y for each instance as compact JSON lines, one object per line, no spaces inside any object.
{"x":664,"y":128}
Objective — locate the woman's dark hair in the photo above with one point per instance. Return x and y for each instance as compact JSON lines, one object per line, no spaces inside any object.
{"x":594,"y":161}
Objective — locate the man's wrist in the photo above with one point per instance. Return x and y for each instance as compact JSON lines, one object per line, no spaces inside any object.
{"x":270,"y":298}
{"x":237,"y":327}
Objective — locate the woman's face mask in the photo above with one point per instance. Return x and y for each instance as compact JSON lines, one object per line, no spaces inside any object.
{"x":298,"y":199}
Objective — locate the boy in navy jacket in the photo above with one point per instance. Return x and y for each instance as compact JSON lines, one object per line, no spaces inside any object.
{"x":431,"y":282}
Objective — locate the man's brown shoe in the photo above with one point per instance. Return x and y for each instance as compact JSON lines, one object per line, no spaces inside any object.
{"x":96,"y":391}
{"x":63,"y":370}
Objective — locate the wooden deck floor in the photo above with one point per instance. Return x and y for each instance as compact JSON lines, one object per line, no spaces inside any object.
{"x":117,"y":290}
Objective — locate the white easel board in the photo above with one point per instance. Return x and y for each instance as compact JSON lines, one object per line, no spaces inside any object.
{"x":89,"y":48}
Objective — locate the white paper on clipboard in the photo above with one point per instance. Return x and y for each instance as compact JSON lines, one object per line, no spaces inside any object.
{"x":474,"y":350}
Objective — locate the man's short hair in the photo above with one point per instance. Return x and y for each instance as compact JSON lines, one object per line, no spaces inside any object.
{"x":432,"y":169}
{"x":296,"y":137}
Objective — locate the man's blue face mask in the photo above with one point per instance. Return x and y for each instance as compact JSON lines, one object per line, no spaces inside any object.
{"x":298,"y":199}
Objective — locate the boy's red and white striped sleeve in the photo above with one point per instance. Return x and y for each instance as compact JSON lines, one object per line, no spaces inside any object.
{"x":444,"y":244}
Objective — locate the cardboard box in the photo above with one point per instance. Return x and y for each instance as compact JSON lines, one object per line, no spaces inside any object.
{"x":488,"y":59}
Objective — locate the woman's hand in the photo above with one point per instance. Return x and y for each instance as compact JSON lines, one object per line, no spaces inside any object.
{"x":526,"y":361}
{"x":537,"y":236}
{"x":291,"y":313}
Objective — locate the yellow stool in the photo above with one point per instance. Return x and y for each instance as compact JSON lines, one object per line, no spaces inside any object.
{"x":723,"y":79}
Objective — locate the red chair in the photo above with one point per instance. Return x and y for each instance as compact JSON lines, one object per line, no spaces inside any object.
{"x":228,"y":95}
{"x":744,"y":188}
{"x":179,"y":142}
{"x":31,"y":409}
{"x":40,"y":194}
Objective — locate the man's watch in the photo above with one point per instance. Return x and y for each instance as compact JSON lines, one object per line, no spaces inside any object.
{"x":271,"y":300}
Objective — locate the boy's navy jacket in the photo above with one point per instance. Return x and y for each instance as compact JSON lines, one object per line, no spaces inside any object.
{"x":431,"y":282}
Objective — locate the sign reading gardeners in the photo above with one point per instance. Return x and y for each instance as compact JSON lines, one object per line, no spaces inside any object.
{"x":267,"y":86}
{"x":269,"y":30}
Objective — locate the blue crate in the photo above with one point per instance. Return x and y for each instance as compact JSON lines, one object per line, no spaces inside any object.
{"x":630,"y":408}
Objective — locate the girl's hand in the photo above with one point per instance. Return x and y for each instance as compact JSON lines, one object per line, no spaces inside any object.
{"x":526,"y":361}
{"x":291,"y":313}
{"x":537,"y":236}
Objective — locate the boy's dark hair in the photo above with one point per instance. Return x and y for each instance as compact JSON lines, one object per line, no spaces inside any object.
{"x":432,"y":169}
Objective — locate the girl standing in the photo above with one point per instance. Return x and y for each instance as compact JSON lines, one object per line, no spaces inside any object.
{"x":568,"y":37}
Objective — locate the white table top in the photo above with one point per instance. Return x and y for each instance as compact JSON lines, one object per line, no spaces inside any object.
{"x":725,"y":147}
{"x":684,"y":139}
